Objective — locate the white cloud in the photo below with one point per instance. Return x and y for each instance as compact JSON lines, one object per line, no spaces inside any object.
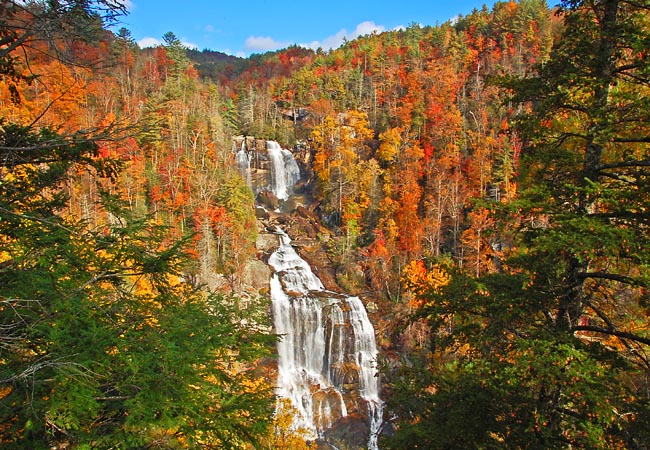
{"x":264,"y":43}
{"x":336,"y":40}
{"x":129,"y":5}
{"x":367,"y":27}
{"x":239,"y":54}
{"x":149,"y":42}
{"x":331,"y":42}
{"x":155,"y":42}
{"x":190,"y":45}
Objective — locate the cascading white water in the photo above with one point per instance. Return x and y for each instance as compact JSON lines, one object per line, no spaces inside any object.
{"x":291,"y":169}
{"x":284,"y":170}
{"x":328,"y":348}
{"x":327,"y":344}
{"x":366,"y":355}
{"x":243,"y":159}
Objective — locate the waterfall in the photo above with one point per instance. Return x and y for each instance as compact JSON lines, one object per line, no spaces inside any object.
{"x":327,"y":353}
{"x":327,"y":345}
{"x":284,"y":170}
{"x":243,"y":159}
{"x":291,"y":169}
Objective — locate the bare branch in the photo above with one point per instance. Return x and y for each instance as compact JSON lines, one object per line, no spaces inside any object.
{"x":613,"y":277}
{"x":42,"y":364}
{"x":644,"y":139}
{"x":612,"y":332}
{"x":618,"y":165}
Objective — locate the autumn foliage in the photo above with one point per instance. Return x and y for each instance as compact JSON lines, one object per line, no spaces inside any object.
{"x":475,"y":233}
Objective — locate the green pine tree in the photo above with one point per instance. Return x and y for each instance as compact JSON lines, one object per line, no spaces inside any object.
{"x":102,"y":343}
{"x":552,"y":351}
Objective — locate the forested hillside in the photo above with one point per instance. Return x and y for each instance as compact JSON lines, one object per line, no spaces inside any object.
{"x":484,"y":181}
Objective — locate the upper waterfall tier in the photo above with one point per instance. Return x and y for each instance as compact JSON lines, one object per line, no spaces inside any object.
{"x":270,"y":168}
{"x":284,"y":170}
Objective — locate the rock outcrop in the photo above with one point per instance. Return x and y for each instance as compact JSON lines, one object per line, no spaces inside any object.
{"x":308,"y":237}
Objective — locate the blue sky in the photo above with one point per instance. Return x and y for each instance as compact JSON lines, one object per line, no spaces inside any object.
{"x":243,"y":27}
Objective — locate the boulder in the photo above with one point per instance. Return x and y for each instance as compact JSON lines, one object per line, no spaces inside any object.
{"x":349,"y":433}
{"x":267,"y":243}
{"x":269,"y":200}
{"x":261,"y":213}
{"x":256,"y":275}
{"x":305,"y":213}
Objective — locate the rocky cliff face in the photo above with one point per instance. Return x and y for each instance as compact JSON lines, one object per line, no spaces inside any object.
{"x":266,"y":166}
{"x":294,"y":215}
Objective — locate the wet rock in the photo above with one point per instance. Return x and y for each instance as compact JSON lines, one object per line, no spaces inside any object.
{"x":283,"y":220}
{"x":261,"y":213}
{"x":300,"y":187}
{"x":348,"y":433}
{"x":321,"y":266}
{"x":269,"y":200}
{"x":346,"y":374}
{"x":327,"y":407}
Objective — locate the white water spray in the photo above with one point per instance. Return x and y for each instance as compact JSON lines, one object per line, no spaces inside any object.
{"x":243,"y":159}
{"x":284,"y":170}
{"x":327,"y":343}
{"x":327,"y":349}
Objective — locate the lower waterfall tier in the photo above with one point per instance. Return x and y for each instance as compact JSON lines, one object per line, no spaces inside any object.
{"x":327,"y":352}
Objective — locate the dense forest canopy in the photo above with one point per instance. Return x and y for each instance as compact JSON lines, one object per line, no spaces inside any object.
{"x":485,"y":182}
